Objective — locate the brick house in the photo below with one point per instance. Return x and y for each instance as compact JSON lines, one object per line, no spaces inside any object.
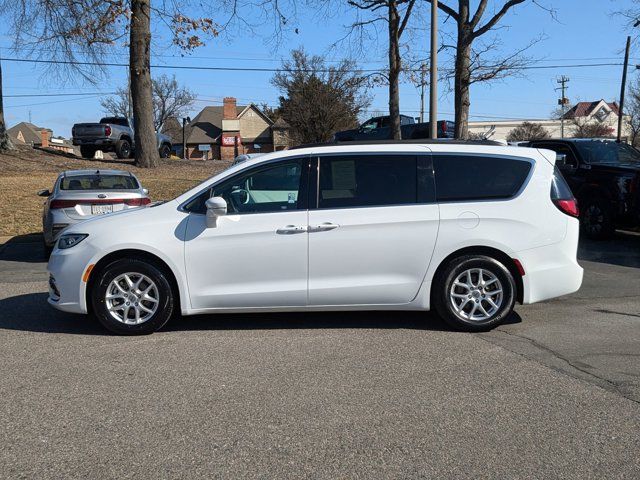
{"x":25,"y":133}
{"x":223,"y":132}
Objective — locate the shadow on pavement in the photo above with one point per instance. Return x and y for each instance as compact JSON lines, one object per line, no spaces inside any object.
{"x":23,"y":248}
{"x":623,"y":250}
{"x":30,"y":313}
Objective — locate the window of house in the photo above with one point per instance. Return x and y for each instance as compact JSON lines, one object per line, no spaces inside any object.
{"x":352,"y":181}
{"x":467,"y":177}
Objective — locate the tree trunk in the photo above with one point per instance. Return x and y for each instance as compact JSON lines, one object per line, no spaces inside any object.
{"x":5,"y":141}
{"x":394,"y":70}
{"x":140,"y":70}
{"x":462,"y":82}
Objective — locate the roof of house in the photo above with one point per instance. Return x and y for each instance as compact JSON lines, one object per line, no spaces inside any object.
{"x":206,"y":127}
{"x":584,"y":109}
{"x":280,"y":123}
{"x":30,"y":132}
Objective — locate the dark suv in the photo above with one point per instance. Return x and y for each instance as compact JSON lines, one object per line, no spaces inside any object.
{"x":605,"y":178}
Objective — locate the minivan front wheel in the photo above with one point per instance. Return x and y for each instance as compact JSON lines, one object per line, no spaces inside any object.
{"x":132,"y":297}
{"x":474,"y":293}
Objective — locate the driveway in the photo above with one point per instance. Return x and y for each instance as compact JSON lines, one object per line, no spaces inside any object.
{"x":553,"y":393}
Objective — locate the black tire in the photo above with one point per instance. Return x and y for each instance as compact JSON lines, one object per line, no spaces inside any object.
{"x":444,"y":281}
{"x":87,"y":152}
{"x":596,"y":218}
{"x":166,"y":300}
{"x":165,"y":151}
{"x":123,"y":149}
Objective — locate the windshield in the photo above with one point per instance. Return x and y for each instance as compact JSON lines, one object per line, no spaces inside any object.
{"x":99,"y":182}
{"x":608,"y":152}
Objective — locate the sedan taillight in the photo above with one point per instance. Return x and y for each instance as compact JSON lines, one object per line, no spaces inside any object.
{"x":137,"y":202}
{"x":132,"y":202}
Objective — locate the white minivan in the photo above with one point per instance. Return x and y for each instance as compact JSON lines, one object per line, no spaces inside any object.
{"x":465,"y":228}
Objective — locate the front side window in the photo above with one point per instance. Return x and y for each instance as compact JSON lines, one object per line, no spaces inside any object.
{"x":265,"y":189}
{"x":367,"y":180}
{"x":470,"y":177}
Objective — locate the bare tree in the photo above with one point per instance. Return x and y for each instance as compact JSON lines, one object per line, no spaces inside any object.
{"x":586,"y":129}
{"x":78,"y":35}
{"x":317,"y":100}
{"x":633,"y":113}
{"x":5,"y":141}
{"x":396,"y":15}
{"x":527,"y":131}
{"x":169,"y":100}
{"x":475,"y":60}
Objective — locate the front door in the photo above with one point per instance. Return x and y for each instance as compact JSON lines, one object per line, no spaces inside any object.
{"x":374,"y":230}
{"x":256,"y":256}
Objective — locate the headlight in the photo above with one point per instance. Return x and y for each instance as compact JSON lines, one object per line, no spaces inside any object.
{"x":70,"y":240}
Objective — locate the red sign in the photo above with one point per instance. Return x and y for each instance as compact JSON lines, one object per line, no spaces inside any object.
{"x":231,"y":140}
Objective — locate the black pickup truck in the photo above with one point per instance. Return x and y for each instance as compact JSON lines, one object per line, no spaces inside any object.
{"x":605,"y":178}
{"x":379,"y":128}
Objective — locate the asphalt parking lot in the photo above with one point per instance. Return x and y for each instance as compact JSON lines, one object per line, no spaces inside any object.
{"x":554,"y":393}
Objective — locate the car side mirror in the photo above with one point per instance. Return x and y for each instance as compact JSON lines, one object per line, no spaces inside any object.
{"x":44,"y":193}
{"x":145,"y":191}
{"x":216,"y":207}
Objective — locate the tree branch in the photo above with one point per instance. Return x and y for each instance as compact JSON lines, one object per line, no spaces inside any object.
{"x":496,"y":18}
{"x":447,"y":9}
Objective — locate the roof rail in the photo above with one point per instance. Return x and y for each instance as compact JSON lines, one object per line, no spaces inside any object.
{"x":424,"y":141}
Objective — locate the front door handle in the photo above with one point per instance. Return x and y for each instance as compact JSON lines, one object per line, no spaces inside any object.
{"x":291,"y":230}
{"x":325,"y":227}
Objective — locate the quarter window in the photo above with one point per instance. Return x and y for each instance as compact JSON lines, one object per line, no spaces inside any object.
{"x":267,"y":189}
{"x":460,"y":177}
{"x":365,"y":181}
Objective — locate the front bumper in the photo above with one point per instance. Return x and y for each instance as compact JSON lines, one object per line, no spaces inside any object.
{"x":67,"y":291}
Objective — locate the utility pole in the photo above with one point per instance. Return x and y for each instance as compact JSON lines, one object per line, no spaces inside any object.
{"x":623,"y":87}
{"x":423,"y":80}
{"x":563,"y":101}
{"x":433,"y":87}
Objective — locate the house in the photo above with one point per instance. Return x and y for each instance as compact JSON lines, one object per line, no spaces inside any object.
{"x":599,"y":111}
{"x":223,"y":132}
{"x":25,"y":133}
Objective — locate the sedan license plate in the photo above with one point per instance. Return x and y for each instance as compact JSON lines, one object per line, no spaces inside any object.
{"x":101,"y":209}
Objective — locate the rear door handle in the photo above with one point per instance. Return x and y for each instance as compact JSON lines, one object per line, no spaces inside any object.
{"x":325,"y":227}
{"x":291,"y":230}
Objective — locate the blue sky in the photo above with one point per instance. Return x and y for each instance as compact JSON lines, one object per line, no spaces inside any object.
{"x":586,"y":32}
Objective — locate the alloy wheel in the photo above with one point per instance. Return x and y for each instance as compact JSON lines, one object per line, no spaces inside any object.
{"x":132,"y":298}
{"x":476,"y":294}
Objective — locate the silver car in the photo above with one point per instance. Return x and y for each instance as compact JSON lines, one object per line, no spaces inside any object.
{"x":78,"y":195}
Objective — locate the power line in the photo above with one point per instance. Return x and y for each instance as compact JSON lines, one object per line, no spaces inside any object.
{"x":58,"y":94}
{"x":270,"y":69}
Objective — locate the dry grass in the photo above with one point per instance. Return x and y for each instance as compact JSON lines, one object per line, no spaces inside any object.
{"x":25,"y":171}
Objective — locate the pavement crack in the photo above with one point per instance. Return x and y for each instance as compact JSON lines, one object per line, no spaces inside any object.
{"x":612,"y":386}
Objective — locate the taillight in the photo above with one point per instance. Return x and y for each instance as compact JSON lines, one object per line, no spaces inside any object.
{"x":132,"y":202}
{"x":137,"y":202}
{"x":107,"y":130}
{"x":569,"y":206}
{"x":63,"y":204}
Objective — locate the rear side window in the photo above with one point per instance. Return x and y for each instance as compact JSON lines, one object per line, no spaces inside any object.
{"x":367,"y":180}
{"x":99,"y":182}
{"x":470,"y":177}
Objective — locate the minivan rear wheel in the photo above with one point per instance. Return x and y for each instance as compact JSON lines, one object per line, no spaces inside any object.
{"x":474,"y":293}
{"x":132,"y":297}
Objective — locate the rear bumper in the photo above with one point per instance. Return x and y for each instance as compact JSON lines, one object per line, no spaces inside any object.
{"x":93,"y":142}
{"x":552,"y":271}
